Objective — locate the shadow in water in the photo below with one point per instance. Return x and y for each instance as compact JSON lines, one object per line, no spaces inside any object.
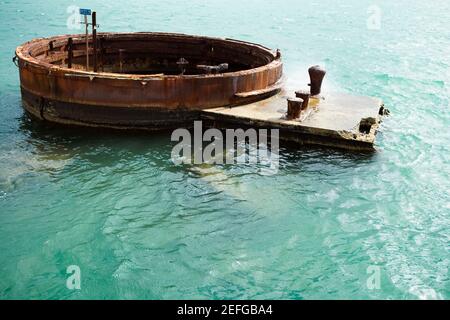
{"x":106,"y":146}
{"x":93,"y":144}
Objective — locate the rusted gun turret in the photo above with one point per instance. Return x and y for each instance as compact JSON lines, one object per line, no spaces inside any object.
{"x":316,"y":74}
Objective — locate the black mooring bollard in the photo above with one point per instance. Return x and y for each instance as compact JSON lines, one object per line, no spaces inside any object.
{"x":316,"y":74}
{"x":294,"y":108}
{"x":302,"y":94}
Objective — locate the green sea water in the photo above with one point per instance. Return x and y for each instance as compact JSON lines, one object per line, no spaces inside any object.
{"x":140,"y":227}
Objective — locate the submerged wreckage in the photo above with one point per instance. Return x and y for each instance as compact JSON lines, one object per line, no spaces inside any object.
{"x":162,"y":80}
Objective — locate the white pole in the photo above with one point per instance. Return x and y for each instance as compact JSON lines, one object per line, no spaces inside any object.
{"x":87,"y":43}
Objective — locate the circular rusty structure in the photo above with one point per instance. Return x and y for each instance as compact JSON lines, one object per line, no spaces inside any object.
{"x":142,"y":80}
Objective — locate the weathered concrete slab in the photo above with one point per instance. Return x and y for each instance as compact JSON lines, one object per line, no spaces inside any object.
{"x":331,"y":121}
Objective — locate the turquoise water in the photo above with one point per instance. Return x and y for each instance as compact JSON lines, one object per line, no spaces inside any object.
{"x":140,"y":227}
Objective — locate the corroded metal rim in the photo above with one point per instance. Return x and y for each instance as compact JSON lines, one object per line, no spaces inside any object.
{"x":24,"y":53}
{"x":62,"y":94}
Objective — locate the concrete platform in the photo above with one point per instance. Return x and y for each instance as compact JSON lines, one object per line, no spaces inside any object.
{"x":335,"y":120}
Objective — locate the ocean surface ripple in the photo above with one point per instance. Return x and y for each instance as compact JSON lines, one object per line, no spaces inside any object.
{"x":140,"y":227}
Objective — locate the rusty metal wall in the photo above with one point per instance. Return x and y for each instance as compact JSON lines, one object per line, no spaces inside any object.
{"x":185,"y":92}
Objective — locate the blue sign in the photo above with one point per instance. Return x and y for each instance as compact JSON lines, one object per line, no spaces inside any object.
{"x":85,"y":12}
